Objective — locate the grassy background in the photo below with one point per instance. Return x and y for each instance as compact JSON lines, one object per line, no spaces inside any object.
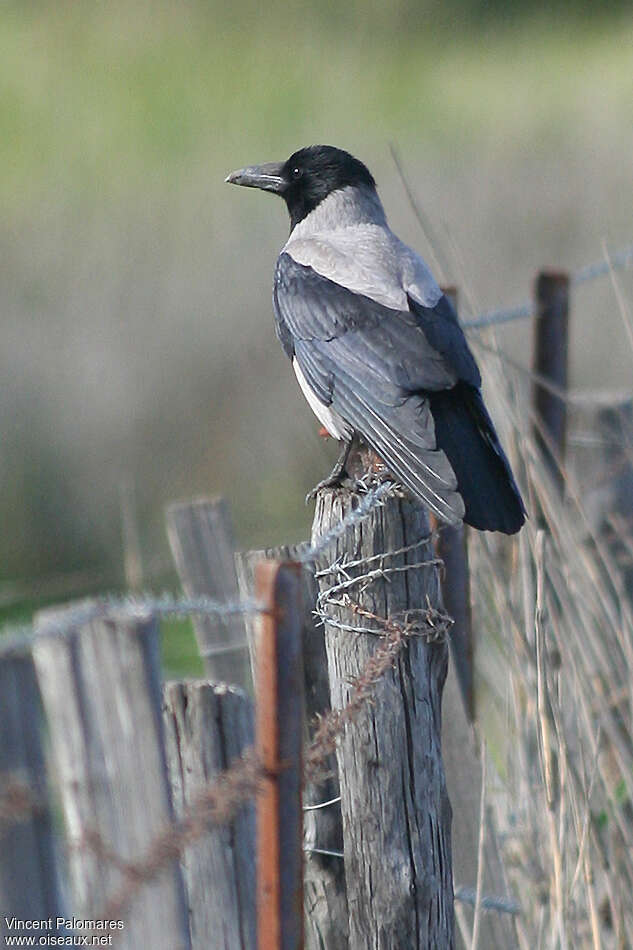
{"x":106,"y":100}
{"x":138,"y":352}
{"x":137,"y":340}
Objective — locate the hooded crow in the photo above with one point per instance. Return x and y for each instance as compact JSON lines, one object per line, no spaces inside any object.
{"x":376,"y":346}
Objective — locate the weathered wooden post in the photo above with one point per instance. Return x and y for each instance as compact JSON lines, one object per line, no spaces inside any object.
{"x":29,"y":886}
{"x":395,"y":807}
{"x":207,"y":727}
{"x":550,"y":363}
{"x":101,"y":689}
{"x":601,"y":459}
{"x":452,"y":548}
{"x":202,"y":543}
{"x":324,"y":878}
{"x":279,"y":747}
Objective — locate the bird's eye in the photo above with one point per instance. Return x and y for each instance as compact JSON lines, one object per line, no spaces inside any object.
{"x":296,"y":172}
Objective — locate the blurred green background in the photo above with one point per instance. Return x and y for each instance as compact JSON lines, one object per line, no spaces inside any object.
{"x":138,"y":352}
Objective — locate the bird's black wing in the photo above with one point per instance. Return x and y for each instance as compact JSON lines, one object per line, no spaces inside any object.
{"x":373,"y":364}
{"x":442,"y":330}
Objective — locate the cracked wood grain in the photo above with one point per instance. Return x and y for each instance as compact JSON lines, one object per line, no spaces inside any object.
{"x":395,"y":807}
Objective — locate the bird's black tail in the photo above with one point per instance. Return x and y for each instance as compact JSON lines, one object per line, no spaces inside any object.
{"x":464,"y":430}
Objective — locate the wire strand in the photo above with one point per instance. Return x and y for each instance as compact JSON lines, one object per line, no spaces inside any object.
{"x":622,"y":260}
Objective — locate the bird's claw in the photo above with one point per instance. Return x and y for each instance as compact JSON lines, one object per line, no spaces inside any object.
{"x":333,"y":481}
{"x":336,"y":477}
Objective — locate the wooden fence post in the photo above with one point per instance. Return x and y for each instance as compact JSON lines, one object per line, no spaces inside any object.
{"x":101,"y":690}
{"x":29,"y":886}
{"x":601,"y":458}
{"x":396,"y":812}
{"x":201,"y":539}
{"x":462,"y":763}
{"x":550,"y":362}
{"x":207,"y":727}
{"x":325,"y":901}
{"x":279,"y":745}
{"x":452,"y":548}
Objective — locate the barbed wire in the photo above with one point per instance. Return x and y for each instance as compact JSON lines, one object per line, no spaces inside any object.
{"x":333,"y":723}
{"x":18,"y":800}
{"x":374,"y":498}
{"x":495,"y":317}
{"x":18,"y":640}
{"x":319,"y":805}
{"x":464,"y":895}
{"x":622,"y":260}
{"x":219,"y":800}
{"x":378,"y":566}
{"x":65,"y":621}
{"x":503,"y":905}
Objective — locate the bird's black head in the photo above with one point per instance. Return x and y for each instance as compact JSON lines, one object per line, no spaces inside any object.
{"x":313,"y":173}
{"x":309,"y":176}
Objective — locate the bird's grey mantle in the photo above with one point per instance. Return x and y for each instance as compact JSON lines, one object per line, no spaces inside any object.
{"x":347,"y":240}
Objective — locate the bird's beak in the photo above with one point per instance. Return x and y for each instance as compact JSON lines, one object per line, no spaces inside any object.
{"x":268,"y":177}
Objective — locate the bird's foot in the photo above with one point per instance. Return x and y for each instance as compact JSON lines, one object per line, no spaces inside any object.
{"x":336,"y":477}
{"x":332,"y":481}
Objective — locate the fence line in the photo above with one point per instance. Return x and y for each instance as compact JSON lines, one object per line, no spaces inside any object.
{"x":15,"y":802}
{"x":503,"y":905}
{"x":18,"y":640}
{"x":222,"y":797}
{"x":622,"y":260}
{"x":216,"y":804}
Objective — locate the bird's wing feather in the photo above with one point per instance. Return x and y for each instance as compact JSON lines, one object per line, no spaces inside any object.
{"x":372,"y":364}
{"x":422,"y":348}
{"x":442,"y":330}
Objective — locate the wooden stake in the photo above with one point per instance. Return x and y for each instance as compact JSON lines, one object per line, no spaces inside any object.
{"x":207,"y":727}
{"x":395,"y":807}
{"x":452,"y":547}
{"x":550,"y":363}
{"x":201,"y":538}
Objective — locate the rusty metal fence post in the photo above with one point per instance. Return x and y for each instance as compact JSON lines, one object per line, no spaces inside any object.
{"x":279,"y":742}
